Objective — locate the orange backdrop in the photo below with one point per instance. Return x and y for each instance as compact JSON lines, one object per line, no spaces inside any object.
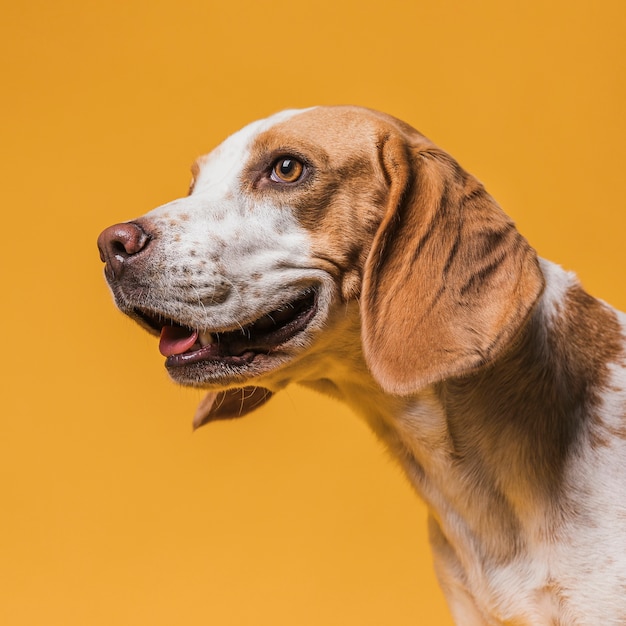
{"x":112,"y":511}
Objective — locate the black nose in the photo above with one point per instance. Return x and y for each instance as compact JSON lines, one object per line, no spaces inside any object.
{"x":119,"y":245}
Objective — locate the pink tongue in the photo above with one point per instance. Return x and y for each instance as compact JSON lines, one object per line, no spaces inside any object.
{"x":176,"y":340}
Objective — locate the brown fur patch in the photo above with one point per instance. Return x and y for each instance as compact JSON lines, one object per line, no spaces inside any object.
{"x":518,"y":420}
{"x":449,"y":281}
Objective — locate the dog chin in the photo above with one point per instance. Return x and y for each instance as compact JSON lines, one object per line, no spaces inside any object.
{"x":220,"y":374}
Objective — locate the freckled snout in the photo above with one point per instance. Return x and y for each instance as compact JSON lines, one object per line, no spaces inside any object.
{"x":120,"y":245}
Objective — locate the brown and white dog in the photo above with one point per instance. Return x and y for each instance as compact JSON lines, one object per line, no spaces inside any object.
{"x":338,"y":248}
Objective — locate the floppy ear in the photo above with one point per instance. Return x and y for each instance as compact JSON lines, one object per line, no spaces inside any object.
{"x":449,"y":280}
{"x":229,"y":404}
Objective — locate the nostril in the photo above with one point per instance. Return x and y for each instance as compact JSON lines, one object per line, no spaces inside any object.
{"x":118,"y":247}
{"x":119,"y":243}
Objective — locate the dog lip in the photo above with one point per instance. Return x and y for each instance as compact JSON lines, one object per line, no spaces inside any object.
{"x":209,"y":353}
{"x":262,"y":337}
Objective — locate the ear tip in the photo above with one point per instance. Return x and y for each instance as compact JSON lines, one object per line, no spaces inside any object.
{"x":396,"y":375}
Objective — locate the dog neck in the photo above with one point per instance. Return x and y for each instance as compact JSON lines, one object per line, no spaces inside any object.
{"x":488,"y":452}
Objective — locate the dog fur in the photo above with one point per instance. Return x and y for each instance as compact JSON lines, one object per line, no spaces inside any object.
{"x":402,"y":289}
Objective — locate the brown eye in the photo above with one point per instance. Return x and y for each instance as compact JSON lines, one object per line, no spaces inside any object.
{"x":287,"y":170}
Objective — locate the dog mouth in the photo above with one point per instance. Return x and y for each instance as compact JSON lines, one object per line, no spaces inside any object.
{"x":183,"y":345}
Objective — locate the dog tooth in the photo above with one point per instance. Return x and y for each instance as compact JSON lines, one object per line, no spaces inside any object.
{"x":205,"y":338}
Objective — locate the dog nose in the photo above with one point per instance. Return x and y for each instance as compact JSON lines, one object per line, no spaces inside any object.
{"x":119,"y":244}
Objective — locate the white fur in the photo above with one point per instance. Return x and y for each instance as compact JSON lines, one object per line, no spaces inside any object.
{"x":216,"y":232}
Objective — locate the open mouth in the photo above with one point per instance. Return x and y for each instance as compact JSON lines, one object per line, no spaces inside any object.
{"x":183,"y":345}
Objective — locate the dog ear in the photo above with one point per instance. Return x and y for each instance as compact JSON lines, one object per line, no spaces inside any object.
{"x":449,"y":280}
{"x":229,"y":404}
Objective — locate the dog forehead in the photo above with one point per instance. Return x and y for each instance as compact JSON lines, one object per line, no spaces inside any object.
{"x":230,"y":156}
{"x":332,"y":133}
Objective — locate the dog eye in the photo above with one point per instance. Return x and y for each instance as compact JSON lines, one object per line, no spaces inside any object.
{"x":287,"y":170}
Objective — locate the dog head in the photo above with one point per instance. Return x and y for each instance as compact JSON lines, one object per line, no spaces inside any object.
{"x":295,"y":219}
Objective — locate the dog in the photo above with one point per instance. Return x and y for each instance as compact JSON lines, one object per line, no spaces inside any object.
{"x":338,"y":248}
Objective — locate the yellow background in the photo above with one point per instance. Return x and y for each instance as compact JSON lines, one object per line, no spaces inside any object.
{"x":112,"y":512}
